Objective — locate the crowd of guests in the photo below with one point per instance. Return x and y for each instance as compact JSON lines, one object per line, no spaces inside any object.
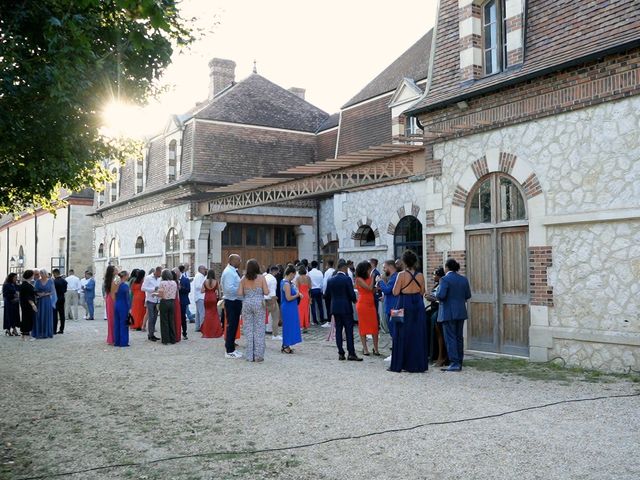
{"x":424,"y":324}
{"x":39,"y":304}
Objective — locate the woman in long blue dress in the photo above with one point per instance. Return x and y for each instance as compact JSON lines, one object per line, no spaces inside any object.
{"x":290,"y":317}
{"x":410,"y":352}
{"x":121,"y":309}
{"x":47,"y":298}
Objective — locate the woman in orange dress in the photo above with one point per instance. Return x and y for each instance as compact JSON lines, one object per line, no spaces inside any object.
{"x":366,"y":307}
{"x":211,"y":327}
{"x":303,"y":284}
{"x":138,"y":308}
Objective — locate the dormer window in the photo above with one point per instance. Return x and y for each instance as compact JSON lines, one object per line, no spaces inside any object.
{"x":493,"y":41}
{"x":113,"y":188}
{"x":411,"y":127}
{"x":139,"y":174}
{"x":172,"y":161}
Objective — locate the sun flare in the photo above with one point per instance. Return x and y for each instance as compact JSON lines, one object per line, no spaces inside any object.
{"x":125,"y":120}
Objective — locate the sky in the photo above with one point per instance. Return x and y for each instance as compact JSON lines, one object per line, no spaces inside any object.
{"x":332,"y":48}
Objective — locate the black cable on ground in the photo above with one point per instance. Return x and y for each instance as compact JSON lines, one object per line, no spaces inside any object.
{"x":331,"y":440}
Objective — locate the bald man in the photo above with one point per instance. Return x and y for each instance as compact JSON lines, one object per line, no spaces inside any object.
{"x":230,"y":281}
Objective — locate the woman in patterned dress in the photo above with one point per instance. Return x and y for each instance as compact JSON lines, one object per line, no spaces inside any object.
{"x":253,"y":287}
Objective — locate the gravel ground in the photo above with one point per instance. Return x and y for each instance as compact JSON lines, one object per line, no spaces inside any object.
{"x":73,"y":403}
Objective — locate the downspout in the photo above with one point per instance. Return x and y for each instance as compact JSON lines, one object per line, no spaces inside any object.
{"x":318,"y":230}
{"x":8,"y":228}
{"x":67,"y":261}
{"x":35,"y":248}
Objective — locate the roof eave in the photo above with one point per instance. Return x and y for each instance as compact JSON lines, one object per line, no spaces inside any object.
{"x":530,"y":76}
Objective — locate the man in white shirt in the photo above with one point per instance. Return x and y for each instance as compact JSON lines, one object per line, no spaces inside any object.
{"x":271,"y":301}
{"x":328,"y":273}
{"x":72,"y":297}
{"x":317,"y":282}
{"x":198,"y":296}
{"x":152,"y":284}
{"x":230,"y":281}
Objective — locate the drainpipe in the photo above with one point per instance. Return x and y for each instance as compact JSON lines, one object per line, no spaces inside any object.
{"x":8,"y":228}
{"x":66,"y":260}
{"x":35,"y":248}
{"x":318,"y":230}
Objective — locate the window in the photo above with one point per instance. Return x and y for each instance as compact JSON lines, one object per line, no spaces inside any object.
{"x":139,"y":174}
{"x":365,"y":236}
{"x":408,"y":236}
{"x":172,"y":161}
{"x":101,"y":250}
{"x":114,"y":248}
{"x":284,"y":237}
{"x":139,"y":246}
{"x":232,"y":235}
{"x":113,"y":193}
{"x":100,"y":197}
{"x":257,"y":236}
{"x":496,"y":199}
{"x":493,"y":37}
{"x":411,"y":126}
{"x":172,"y":247}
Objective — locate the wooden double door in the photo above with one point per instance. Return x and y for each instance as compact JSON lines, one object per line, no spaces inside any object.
{"x":497,"y":268}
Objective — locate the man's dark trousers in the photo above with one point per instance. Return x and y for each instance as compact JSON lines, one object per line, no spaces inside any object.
{"x":59,"y":313}
{"x":316,"y":296}
{"x":454,"y":340}
{"x":346,"y":322}
{"x":232,"y":311}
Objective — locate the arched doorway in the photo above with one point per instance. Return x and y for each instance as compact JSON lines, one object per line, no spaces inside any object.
{"x":497,"y":266}
{"x":408,"y":236}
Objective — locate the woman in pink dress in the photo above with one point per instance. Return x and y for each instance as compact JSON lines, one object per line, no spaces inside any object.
{"x":304,"y":285}
{"x":110,"y":285}
{"x":211,"y":328}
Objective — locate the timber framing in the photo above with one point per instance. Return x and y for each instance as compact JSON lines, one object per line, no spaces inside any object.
{"x":373,"y":166}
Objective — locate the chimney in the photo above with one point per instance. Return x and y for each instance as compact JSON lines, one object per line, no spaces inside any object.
{"x":299,"y":92}
{"x":221,"y":75}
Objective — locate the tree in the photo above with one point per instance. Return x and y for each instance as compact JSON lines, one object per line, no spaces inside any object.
{"x":61,"y":61}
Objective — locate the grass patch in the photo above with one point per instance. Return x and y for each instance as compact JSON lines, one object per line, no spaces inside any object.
{"x":547,"y":372}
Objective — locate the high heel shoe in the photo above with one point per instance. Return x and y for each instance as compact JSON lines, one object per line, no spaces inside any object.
{"x":286,"y":350}
{"x":7,"y":333}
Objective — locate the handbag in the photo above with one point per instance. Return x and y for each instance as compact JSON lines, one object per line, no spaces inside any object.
{"x":397,"y":314}
{"x":130,"y":320}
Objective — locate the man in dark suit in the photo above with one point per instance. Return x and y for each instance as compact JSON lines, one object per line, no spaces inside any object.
{"x":185,"y":289}
{"x":341,"y":297}
{"x":60,"y":285}
{"x":453,"y":293}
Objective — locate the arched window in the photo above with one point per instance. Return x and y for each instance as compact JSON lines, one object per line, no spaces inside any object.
{"x":408,"y":236}
{"x":139,"y":246}
{"x":113,"y":190}
{"x":172,"y":248}
{"x":101,"y":250}
{"x":172,"y":161}
{"x":21,"y":260}
{"x":496,"y":199}
{"x":365,"y":236}
{"x":114,"y":248}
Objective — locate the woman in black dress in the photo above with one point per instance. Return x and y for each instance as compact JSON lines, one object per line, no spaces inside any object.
{"x":11,"y":305}
{"x":27,"y":303}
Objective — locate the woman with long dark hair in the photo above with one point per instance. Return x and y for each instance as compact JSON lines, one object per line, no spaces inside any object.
{"x":366,"y":307}
{"x":290,"y":315}
{"x":303,"y":284}
{"x":138,"y":308}
{"x":11,"y":305}
{"x":110,"y":285}
{"x":211,"y":327}
{"x":410,"y":339}
{"x":27,"y":303}
{"x":253,"y":287}
{"x":167,"y":292}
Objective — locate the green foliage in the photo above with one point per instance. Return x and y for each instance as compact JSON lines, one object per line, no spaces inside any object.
{"x":61,"y":61}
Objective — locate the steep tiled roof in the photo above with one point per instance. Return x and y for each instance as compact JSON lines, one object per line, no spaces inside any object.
{"x":331,"y":122}
{"x":257,"y":101}
{"x":413,"y":63}
{"x":558,"y":33}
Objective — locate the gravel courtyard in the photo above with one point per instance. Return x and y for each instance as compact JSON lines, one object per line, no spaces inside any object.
{"x":73,"y":403}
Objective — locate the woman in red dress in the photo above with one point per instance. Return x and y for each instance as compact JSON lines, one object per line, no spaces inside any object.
{"x":211,"y":328}
{"x":366,"y":307}
{"x":304,"y":285}
{"x":138,"y":308}
{"x":177,"y":313}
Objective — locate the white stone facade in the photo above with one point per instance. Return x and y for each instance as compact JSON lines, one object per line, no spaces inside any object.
{"x":588,"y":165}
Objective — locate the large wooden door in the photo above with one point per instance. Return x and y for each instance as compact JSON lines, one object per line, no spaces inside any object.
{"x":499,"y":308}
